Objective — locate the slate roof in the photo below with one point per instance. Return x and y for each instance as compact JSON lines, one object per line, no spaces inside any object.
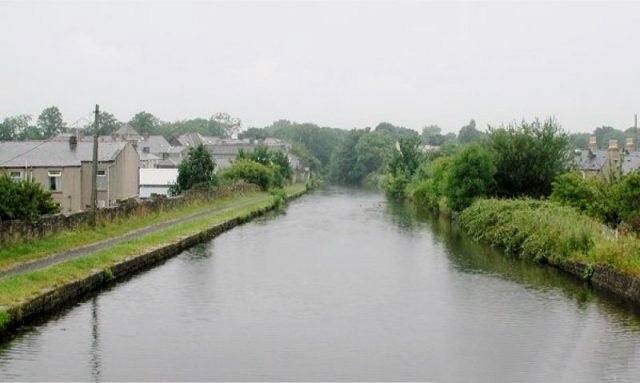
{"x":631,"y":162}
{"x":126,"y":130}
{"x":156,"y":144}
{"x":18,"y":154}
{"x":592,"y":160}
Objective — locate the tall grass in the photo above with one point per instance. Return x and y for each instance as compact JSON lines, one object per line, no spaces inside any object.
{"x":545,"y":231}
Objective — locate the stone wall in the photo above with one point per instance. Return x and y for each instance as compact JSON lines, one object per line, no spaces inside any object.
{"x":22,"y":231}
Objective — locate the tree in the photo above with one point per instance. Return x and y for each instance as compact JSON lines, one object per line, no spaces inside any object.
{"x":528,"y":157}
{"x":24,"y":199}
{"x":470,"y":176}
{"x":107,"y":124}
{"x":50,"y":122}
{"x":229,"y":125}
{"x":145,"y":123}
{"x":401,"y":167}
{"x":12,"y":127}
{"x":469,"y":134}
{"x":277,"y":161}
{"x":343,"y":168}
{"x":195,"y":171}
{"x":606,"y":133}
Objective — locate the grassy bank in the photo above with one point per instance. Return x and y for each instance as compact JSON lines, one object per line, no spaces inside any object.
{"x":15,"y":254}
{"x":17,"y":289}
{"x":548,"y":232}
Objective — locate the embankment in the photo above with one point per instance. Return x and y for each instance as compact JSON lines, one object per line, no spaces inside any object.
{"x":71,"y":280}
{"x":557,"y":235}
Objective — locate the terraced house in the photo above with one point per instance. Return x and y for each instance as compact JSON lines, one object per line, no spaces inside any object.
{"x":65,"y":169}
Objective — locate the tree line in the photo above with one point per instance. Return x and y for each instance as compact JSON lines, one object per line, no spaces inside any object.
{"x":50,"y":123}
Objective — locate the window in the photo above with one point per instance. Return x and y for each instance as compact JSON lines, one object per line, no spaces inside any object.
{"x":54,"y":180}
{"x":101,"y":180}
{"x":16,"y":176}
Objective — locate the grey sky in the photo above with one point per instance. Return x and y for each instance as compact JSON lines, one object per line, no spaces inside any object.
{"x":335,"y":64}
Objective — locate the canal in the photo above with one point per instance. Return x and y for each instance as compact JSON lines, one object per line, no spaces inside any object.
{"x":341,"y":286}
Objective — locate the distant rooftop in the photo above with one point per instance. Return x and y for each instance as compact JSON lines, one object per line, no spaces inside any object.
{"x":54,"y":153}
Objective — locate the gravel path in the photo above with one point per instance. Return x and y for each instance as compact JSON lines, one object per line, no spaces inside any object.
{"x":85,"y":250}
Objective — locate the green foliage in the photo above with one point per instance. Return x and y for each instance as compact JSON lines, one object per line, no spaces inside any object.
{"x":612,"y":203}
{"x":145,"y":123}
{"x":401,"y":167}
{"x":24,"y":199}
{"x":252,"y":172}
{"x":276,"y":160}
{"x":427,"y":186}
{"x":528,"y":157}
{"x":5,"y":319}
{"x":471,"y":175}
{"x":50,"y":122}
{"x":107,"y":124}
{"x":469,"y":134}
{"x":195,"y":171}
{"x":12,"y":127}
{"x":107,"y":275}
{"x":532,"y":229}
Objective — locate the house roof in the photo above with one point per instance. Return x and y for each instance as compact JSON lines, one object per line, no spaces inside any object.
{"x":592,"y":160}
{"x":158,"y":177}
{"x":195,"y":139}
{"x":126,"y":130}
{"x":17,"y":154}
{"x":156,"y":144}
{"x":631,"y":162}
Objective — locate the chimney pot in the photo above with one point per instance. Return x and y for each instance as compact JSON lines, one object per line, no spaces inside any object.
{"x":593,"y":143}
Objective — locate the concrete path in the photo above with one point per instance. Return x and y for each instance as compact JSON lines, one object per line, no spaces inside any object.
{"x":85,"y":250}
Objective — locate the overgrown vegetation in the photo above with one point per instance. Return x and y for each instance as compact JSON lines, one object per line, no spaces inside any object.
{"x":615,"y":202}
{"x":265,"y":168}
{"x":24,"y":199}
{"x":547,"y":231}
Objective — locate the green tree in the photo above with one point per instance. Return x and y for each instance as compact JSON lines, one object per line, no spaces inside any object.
{"x":605,"y":133}
{"x":229,"y":125}
{"x":528,"y":157}
{"x":195,"y":171}
{"x":276,"y":160}
{"x":343,"y":168}
{"x":108,"y":124}
{"x":12,"y":127}
{"x":145,"y":123}
{"x":470,"y":176}
{"x":24,"y":199}
{"x":50,"y":122}
{"x":469,"y":134}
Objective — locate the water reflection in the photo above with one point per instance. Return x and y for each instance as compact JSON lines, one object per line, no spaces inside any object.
{"x":342,"y":287}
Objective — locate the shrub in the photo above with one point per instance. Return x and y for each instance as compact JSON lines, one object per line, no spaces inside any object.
{"x":195,"y":171}
{"x":470,"y":176}
{"x":24,"y":199}
{"x":250,"y":171}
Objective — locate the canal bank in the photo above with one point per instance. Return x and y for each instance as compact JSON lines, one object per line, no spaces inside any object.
{"x":85,"y":274}
{"x":548,"y":233}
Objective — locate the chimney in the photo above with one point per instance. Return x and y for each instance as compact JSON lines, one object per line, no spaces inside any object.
{"x":146,"y":149}
{"x":614,"y":153}
{"x":593,"y":144}
{"x":73,"y":142}
{"x":630,"y":146}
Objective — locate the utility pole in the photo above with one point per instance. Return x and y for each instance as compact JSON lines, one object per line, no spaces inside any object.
{"x":94,"y":175}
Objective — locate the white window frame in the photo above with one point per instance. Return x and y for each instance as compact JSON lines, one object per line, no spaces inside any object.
{"x":12,"y":175}
{"x":102,"y":180}
{"x":56,"y":177}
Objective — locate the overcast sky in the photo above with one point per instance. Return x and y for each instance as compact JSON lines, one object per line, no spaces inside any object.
{"x":343,"y":65}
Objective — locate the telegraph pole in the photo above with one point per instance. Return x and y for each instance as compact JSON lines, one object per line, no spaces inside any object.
{"x":94,"y":175}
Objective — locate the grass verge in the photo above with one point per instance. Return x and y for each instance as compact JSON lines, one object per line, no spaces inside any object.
{"x":12,"y":255}
{"x":546,"y":231}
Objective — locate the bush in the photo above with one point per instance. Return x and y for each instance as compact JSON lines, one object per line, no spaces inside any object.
{"x":252,"y":172}
{"x":470,"y":176}
{"x":528,"y":157}
{"x":195,"y":171}
{"x":24,"y":199}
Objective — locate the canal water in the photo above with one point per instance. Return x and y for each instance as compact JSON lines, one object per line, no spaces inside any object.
{"x":341,"y":286}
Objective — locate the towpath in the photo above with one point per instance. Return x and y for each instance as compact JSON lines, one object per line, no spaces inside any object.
{"x":97,"y":246}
